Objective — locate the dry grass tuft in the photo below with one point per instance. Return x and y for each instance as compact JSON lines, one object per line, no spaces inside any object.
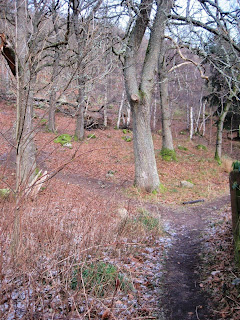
{"x":227,"y":164}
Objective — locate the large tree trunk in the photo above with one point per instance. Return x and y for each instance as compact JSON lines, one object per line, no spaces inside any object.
{"x":146,"y":175}
{"x":139,"y":95}
{"x":26,"y":161}
{"x":167,"y":140}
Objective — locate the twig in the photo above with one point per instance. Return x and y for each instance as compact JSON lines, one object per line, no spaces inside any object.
{"x":196,"y":311}
{"x":84,"y":291}
{"x":193,"y":201}
{"x":233,"y":300}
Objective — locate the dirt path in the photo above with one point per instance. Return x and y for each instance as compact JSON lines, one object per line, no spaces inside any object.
{"x":182,"y":296}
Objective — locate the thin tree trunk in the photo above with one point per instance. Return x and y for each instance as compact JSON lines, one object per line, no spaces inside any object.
{"x":218,"y":152}
{"x":191,"y":122}
{"x":53,"y":94}
{"x":120,"y":110}
{"x":54,"y":78}
{"x":128,"y":115}
{"x":211,"y":126}
{"x":154,"y":110}
{"x":198,"y":117}
{"x":204,"y":118}
{"x":79,"y":131}
{"x":105,"y":105}
{"x":167,"y":140}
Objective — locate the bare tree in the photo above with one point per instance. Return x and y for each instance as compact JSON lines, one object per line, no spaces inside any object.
{"x":222,"y":25}
{"x":55,"y":69}
{"x":83,"y":25}
{"x":139,"y":92}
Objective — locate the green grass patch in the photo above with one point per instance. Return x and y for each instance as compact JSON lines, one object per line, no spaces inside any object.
{"x":4,"y":193}
{"x":125,"y":131}
{"x":127,"y":138}
{"x":63,"y":139}
{"x":182,"y":148}
{"x":162,"y":188}
{"x":43,"y":121}
{"x":148,"y":221}
{"x":201,"y":147}
{"x":168,"y":155}
{"x":99,"y":279}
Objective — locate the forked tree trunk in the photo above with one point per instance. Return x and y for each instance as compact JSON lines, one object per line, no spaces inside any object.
{"x":140,"y":94}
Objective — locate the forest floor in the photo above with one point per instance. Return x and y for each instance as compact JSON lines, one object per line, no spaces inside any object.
{"x":177,"y":259}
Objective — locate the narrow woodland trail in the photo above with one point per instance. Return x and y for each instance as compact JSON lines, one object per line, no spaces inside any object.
{"x":182,"y":298}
